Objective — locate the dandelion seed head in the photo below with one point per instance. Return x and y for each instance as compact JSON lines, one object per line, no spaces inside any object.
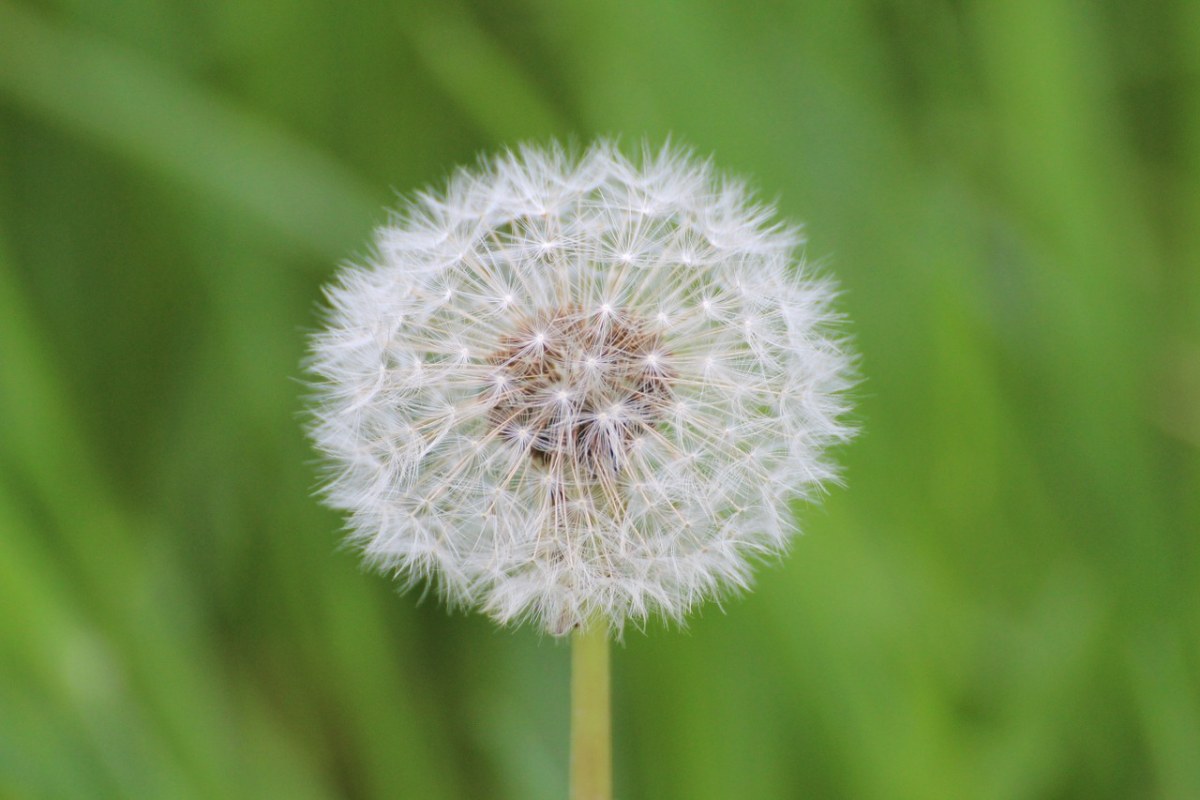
{"x":579,"y":385}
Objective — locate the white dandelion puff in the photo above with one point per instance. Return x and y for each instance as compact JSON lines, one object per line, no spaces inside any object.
{"x":584,"y":386}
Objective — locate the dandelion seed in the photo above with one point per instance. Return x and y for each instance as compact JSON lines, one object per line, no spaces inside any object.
{"x":576,"y":387}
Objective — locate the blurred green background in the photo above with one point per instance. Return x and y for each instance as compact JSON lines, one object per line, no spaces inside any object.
{"x":1001,"y":604}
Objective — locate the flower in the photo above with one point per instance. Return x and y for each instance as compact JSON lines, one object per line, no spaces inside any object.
{"x":577,"y":386}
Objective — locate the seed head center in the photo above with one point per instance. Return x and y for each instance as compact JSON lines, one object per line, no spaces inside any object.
{"x":578,"y":388}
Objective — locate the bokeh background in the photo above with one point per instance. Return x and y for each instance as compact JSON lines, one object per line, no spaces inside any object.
{"x":1002,"y":603}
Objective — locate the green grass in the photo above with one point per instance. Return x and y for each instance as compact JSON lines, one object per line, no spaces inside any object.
{"x":1003,"y":603}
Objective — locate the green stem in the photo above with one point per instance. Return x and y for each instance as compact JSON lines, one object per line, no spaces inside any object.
{"x":591,"y":721}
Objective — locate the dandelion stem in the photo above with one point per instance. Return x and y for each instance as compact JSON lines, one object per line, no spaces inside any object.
{"x":591,"y":723}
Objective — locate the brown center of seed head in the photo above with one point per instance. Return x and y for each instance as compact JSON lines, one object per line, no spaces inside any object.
{"x":576,"y":389}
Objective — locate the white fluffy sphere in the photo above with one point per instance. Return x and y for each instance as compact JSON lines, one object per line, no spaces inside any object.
{"x":579,"y":386}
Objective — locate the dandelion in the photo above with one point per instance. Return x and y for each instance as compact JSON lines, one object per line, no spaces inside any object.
{"x":579,"y":389}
